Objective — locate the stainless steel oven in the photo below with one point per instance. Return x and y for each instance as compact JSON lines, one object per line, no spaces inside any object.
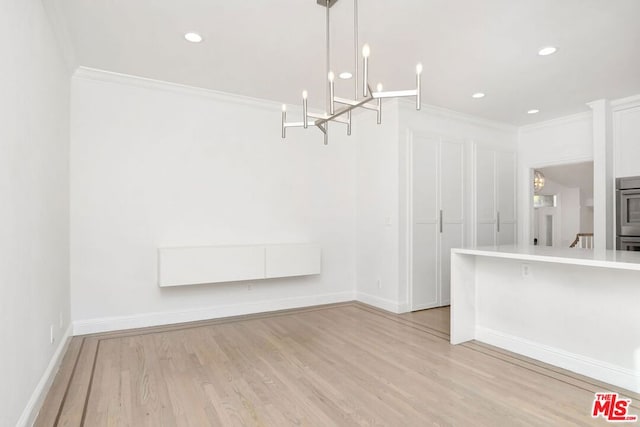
{"x":628,"y":212}
{"x":628,"y":243}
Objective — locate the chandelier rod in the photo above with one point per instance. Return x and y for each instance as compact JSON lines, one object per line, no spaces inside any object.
{"x":328,"y":62}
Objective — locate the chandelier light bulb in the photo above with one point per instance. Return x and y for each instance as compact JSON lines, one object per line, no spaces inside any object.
{"x":284,"y":108}
{"x":419,"y":68}
{"x":366,"y":51}
{"x":304,"y":94}
{"x":331,"y":76}
{"x":379,"y":87}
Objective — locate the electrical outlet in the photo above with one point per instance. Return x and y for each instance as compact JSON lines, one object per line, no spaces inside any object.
{"x":52,"y":339}
{"x":249,"y":287}
{"x":526,"y":271}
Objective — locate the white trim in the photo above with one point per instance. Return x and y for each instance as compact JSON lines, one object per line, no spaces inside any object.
{"x":562,"y":162}
{"x":462,"y":117}
{"x":625,"y":103}
{"x":586,"y":115}
{"x":118,"y":323}
{"x":599,"y":370}
{"x":383,"y":303}
{"x":30,"y":412}
{"x":94,"y":74}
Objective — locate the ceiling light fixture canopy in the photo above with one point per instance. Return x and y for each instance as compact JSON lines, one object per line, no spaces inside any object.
{"x":370,"y":100}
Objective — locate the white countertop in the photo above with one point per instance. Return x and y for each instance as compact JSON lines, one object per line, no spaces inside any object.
{"x":623,"y":260}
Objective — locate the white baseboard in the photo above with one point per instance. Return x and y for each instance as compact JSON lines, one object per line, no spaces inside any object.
{"x":34,"y":404}
{"x":383,"y":303}
{"x":597,"y":369}
{"x":107,"y":324}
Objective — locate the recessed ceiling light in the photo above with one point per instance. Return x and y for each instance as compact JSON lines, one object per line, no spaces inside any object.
{"x":345,"y":75}
{"x":193,"y":37}
{"x":545,"y":51}
{"x":478,"y":95}
{"x":534,"y":111}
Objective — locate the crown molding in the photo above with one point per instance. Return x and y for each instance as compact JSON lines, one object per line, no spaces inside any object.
{"x":578,"y":117}
{"x":455,"y":115}
{"x":94,"y":74}
{"x":626,"y":103}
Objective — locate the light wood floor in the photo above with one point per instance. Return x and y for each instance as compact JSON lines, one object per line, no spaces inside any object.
{"x":345,"y":364}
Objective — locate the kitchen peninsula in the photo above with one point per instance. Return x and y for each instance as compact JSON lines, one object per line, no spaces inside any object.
{"x":577,"y":309}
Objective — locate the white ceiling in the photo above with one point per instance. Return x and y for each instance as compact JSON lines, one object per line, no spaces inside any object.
{"x":574,"y":175}
{"x":273,"y":49}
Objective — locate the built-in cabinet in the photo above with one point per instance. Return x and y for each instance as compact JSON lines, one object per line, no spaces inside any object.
{"x":495,"y":197}
{"x":437,"y":216}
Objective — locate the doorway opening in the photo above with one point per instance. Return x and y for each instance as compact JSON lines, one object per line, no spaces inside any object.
{"x":563,"y":205}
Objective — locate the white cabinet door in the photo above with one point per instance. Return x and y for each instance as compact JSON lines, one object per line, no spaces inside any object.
{"x":506,"y":197}
{"x":495,"y":197}
{"x":424,"y":223}
{"x":437,"y":225}
{"x":485,"y":197}
{"x":452,"y":207}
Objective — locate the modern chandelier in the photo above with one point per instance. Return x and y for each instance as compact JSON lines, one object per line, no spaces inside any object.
{"x":370,"y":100}
{"x":538,"y":181}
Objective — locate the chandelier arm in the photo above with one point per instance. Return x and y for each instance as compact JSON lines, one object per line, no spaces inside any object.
{"x":369,"y":106}
{"x":297,"y":124}
{"x":325,"y":130}
{"x":395,"y":94}
{"x":343,"y":111}
{"x":325,"y":116}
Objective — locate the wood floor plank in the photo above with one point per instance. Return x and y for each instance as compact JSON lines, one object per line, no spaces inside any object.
{"x":72,"y":412}
{"x":347,"y":364}
{"x":56,"y":395}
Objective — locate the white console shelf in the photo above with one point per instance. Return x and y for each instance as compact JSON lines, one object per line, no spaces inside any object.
{"x":181,"y":266}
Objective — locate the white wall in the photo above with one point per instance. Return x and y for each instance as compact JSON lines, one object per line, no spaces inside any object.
{"x":626,"y":136}
{"x":377,"y":207}
{"x":560,"y":141}
{"x":155,"y":165}
{"x":34,"y":246}
{"x":381,"y":189}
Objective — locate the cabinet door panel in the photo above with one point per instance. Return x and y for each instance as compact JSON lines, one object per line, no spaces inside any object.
{"x":451,"y":237}
{"x":485,"y":185}
{"x":451,"y":179}
{"x":486,"y":234}
{"x":507,"y":234}
{"x":506,"y":185}
{"x":425,"y":179}
{"x":425,"y":266}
